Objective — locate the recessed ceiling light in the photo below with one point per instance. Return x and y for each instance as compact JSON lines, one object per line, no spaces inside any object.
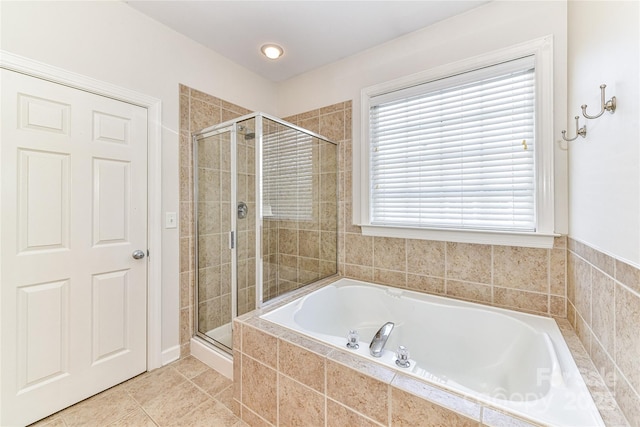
{"x":272,"y":51}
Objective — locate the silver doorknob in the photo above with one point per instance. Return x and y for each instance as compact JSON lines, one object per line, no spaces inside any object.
{"x":138,"y":254}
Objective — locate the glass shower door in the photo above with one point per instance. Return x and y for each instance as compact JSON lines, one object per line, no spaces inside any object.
{"x":214,"y":222}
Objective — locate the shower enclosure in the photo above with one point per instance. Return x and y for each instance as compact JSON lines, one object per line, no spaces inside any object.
{"x":265,"y":213}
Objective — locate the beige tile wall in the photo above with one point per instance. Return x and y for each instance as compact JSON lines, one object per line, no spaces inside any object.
{"x":199,"y":110}
{"x":604,"y":309}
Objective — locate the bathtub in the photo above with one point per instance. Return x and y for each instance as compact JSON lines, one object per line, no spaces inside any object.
{"x":513,"y":361}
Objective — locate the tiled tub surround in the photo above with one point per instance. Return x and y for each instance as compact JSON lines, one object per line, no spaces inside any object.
{"x":515,"y":361}
{"x":285,"y":378}
{"x":604,"y":309}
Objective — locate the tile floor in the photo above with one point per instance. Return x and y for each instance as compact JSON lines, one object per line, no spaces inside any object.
{"x":183,"y":393}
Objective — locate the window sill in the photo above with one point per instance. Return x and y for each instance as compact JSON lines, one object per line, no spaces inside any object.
{"x":530,"y":240}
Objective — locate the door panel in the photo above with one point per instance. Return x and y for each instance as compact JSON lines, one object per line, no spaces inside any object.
{"x":108,"y":128}
{"x":73,"y":209}
{"x":43,"y":200}
{"x":109,"y":315}
{"x":111,"y":210}
{"x":43,"y":114}
{"x":43,"y":326}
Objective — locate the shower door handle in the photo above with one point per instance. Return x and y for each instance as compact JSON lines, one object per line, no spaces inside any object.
{"x":138,"y":254}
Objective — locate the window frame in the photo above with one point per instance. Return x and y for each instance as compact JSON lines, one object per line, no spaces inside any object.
{"x":542,"y":51}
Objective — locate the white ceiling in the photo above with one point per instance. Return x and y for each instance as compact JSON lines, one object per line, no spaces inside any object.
{"x":312,"y":33}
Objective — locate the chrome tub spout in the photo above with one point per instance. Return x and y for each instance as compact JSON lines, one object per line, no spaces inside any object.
{"x":380,"y":339}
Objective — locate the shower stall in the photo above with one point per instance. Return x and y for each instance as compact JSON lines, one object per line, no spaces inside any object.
{"x":266,"y":217}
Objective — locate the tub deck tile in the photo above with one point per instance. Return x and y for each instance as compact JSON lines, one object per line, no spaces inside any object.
{"x":265,"y":326}
{"x":307,"y":343}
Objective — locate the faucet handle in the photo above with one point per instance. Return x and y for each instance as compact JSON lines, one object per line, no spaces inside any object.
{"x":402,"y":357}
{"x":352,"y":339}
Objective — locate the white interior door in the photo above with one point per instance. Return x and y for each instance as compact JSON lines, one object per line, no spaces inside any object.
{"x":73,"y":210}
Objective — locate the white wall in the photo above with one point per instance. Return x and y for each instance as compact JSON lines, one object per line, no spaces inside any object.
{"x":490,"y":27}
{"x":604,"y":168}
{"x":114,"y":43}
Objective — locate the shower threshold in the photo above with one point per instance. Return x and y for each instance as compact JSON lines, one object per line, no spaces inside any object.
{"x":222,"y":334}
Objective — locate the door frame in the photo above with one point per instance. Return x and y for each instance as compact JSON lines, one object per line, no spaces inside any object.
{"x":12,"y":62}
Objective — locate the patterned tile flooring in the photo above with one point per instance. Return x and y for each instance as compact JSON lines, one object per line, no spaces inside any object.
{"x":183,"y":393}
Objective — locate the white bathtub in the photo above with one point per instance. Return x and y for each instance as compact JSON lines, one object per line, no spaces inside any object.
{"x":511,"y":360}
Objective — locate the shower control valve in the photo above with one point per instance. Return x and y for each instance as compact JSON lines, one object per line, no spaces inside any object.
{"x":402,"y":357}
{"x":243,"y":210}
{"x":352,"y":339}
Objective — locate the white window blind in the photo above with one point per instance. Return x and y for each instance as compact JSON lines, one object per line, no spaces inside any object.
{"x":287,"y":174}
{"x":457,"y":152}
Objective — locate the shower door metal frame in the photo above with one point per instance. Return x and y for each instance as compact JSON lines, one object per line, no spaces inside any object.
{"x":259,"y":213}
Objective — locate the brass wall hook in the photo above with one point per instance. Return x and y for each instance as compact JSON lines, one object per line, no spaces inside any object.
{"x":609,"y":105}
{"x":580,"y":131}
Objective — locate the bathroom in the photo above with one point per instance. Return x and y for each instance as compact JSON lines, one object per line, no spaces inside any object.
{"x":590,"y":276}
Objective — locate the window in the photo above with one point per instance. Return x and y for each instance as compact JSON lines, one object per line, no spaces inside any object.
{"x":457,"y":155}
